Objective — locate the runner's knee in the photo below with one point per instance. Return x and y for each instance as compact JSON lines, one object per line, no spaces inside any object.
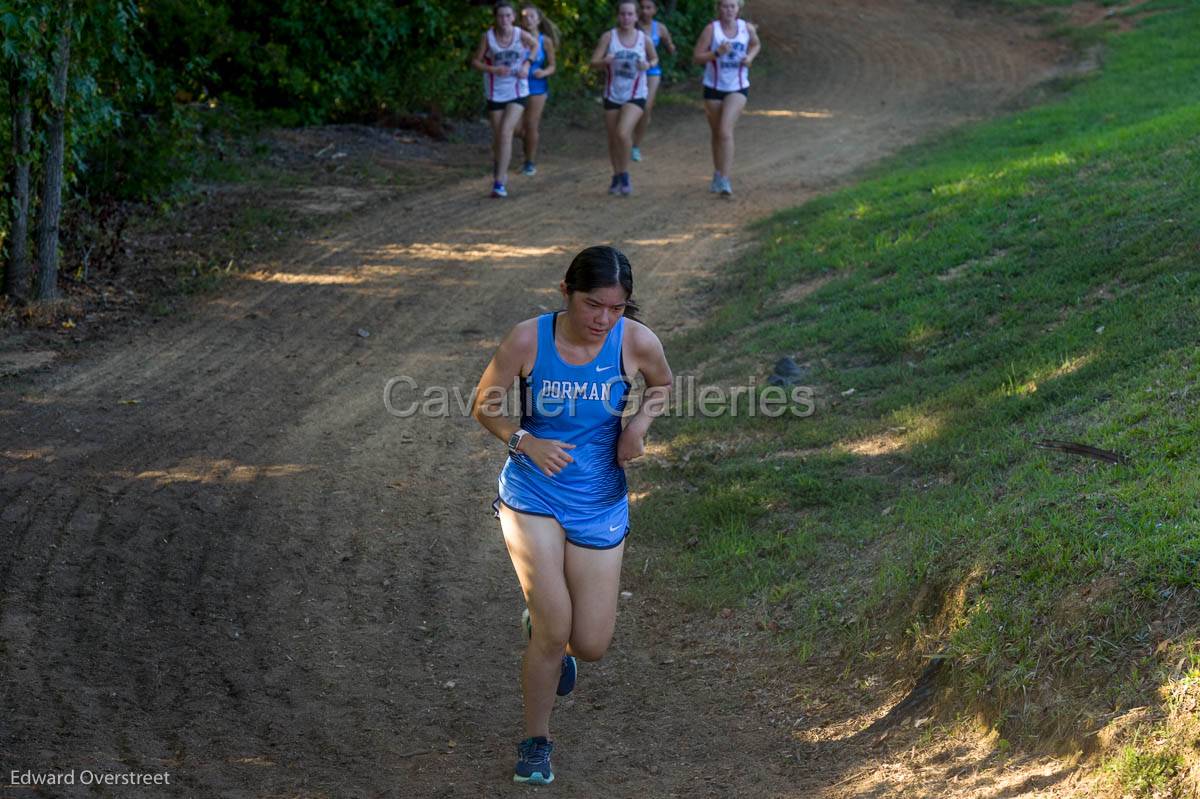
{"x":589,"y":648}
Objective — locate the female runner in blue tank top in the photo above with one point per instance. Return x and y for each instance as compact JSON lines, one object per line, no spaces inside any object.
{"x":544,"y":65}
{"x":563,"y":504}
{"x":660,"y":37}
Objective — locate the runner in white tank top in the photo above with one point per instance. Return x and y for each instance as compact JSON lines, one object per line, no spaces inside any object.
{"x":626,"y":80}
{"x":725,"y":50}
{"x":505,"y":88}
{"x":503,"y":56}
{"x":625,"y":53}
{"x":728,"y":72}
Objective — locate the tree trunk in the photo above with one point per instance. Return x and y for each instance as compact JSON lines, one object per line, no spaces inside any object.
{"x":51,"y":205}
{"x":16,"y":274}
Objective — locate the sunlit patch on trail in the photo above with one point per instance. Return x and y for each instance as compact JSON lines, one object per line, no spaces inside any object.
{"x":252,"y":760}
{"x":445,"y":251}
{"x":42,"y":453}
{"x":199,"y":470}
{"x":783,"y":113}
{"x":665,"y":241}
{"x":291,"y":278}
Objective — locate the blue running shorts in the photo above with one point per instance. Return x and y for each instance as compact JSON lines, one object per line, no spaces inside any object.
{"x":602,"y":529}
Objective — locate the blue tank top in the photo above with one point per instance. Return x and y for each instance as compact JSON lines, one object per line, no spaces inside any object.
{"x":579,"y":405}
{"x":539,"y":85}
{"x":656,"y":39}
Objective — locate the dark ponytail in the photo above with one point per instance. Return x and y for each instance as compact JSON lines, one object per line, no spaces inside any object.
{"x":598,"y":268}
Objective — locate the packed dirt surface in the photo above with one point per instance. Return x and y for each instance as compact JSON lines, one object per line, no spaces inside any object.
{"x":222,"y":558}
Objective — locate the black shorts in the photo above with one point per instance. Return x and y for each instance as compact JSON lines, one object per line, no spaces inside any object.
{"x":715,"y":94}
{"x":609,"y":105}
{"x":496,"y":105}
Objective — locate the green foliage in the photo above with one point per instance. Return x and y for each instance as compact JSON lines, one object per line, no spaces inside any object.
{"x":1144,"y":773}
{"x":107,"y":80}
{"x":1032,"y":278}
{"x":148,"y":80}
{"x":360,"y":60}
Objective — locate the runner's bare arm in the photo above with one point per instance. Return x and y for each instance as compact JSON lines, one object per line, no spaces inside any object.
{"x":703,"y":53}
{"x":478,"y":63}
{"x":530,"y":50}
{"x":651,"y":54}
{"x":513,"y":359}
{"x":600,"y":57}
{"x":755,"y":44}
{"x":650,"y":360}
{"x":551,"y":63}
{"x":664,"y":36}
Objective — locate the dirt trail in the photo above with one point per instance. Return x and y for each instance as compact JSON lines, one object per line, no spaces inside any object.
{"x":223,"y":559}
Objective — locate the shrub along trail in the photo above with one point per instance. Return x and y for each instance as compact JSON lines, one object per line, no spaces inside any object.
{"x":223,"y":559}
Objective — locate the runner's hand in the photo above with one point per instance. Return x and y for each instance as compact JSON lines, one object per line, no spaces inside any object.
{"x":609,"y":59}
{"x":631,"y":445}
{"x":723,"y":48}
{"x":549,"y":455}
{"x":502,"y":71}
{"x":523,"y":72}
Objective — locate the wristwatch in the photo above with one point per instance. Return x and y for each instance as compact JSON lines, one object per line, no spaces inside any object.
{"x":514,"y":440}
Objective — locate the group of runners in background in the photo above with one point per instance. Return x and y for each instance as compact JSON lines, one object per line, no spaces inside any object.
{"x":517,"y":63}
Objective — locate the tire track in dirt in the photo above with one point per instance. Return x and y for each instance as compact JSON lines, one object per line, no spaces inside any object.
{"x":272,"y":587}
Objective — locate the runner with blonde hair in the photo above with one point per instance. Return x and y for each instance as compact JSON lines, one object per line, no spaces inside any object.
{"x":725,"y":49}
{"x":544,"y":65}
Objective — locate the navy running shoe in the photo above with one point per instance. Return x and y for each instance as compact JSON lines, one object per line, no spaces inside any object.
{"x":626,"y":186}
{"x":533,"y":762}
{"x":615,"y":186}
{"x":566,"y":677}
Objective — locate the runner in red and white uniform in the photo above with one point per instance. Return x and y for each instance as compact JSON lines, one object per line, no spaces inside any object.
{"x":660,"y":37}
{"x":725,"y":49}
{"x":625,"y":53}
{"x":504,"y":55}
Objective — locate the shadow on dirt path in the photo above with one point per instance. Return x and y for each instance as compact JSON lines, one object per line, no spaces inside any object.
{"x":223,"y":559}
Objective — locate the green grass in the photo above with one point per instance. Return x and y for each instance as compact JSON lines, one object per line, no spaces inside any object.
{"x":1031,"y":278}
{"x":1146,"y":773}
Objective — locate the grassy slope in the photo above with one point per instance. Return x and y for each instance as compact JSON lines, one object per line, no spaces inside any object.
{"x":1031,"y":278}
